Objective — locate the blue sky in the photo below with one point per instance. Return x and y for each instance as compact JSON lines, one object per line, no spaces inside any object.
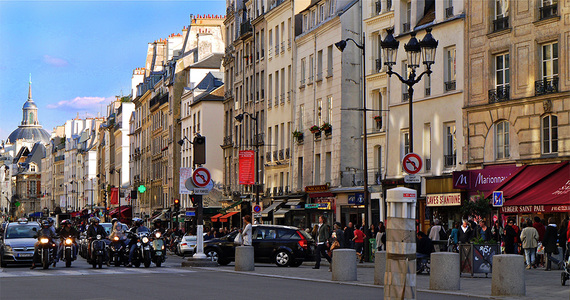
{"x":80,"y":53}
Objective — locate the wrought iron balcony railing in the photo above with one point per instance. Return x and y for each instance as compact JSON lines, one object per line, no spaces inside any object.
{"x":428,"y":164}
{"x":450,"y":160}
{"x":281,"y":155}
{"x":500,"y":94}
{"x":268,"y":156}
{"x":450,"y":86}
{"x":548,"y":11}
{"x":500,"y":24}
{"x":378,"y":65}
{"x":546,"y":86}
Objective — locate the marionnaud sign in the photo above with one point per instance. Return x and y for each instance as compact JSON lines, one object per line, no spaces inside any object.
{"x":483,"y":179}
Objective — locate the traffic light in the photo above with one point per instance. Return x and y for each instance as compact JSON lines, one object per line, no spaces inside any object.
{"x":199,"y":146}
{"x":193,"y":199}
{"x":176,"y":204}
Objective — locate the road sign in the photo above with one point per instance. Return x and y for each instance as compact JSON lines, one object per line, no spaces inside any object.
{"x":413,"y":178}
{"x":412,"y":163}
{"x":201,"y":191}
{"x":498,"y":199}
{"x":189,"y":184}
{"x":201,"y":177}
{"x":256,"y":209}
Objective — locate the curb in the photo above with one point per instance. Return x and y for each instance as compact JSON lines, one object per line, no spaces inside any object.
{"x":348,"y":283}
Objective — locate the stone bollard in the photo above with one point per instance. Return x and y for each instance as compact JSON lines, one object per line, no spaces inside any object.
{"x":244,"y":258}
{"x":344,"y":265}
{"x":379,"y":267}
{"x":444,"y":271}
{"x":508,"y":275}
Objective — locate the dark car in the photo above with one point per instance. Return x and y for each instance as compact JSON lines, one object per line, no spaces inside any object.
{"x":282,"y":245}
{"x":17,"y":245}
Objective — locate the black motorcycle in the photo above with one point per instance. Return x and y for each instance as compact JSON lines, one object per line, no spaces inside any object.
{"x":69,"y":247}
{"x":98,"y":252}
{"x":118,"y":252}
{"x":142,"y":254}
{"x":46,"y":251}
{"x":158,"y":250}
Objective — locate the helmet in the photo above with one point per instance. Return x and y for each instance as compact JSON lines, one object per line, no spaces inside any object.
{"x":114,"y":220}
{"x":51,"y":220}
{"x":138,"y":221}
{"x":45,"y":223}
{"x":94,"y":220}
{"x":65,"y":222}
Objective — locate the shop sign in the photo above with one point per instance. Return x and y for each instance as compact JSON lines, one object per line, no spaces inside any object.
{"x":316,"y":188}
{"x":482,"y":180}
{"x":451,"y":199}
{"x":326,"y":205}
{"x":356,"y":199}
{"x":311,"y":205}
{"x":524,"y":209}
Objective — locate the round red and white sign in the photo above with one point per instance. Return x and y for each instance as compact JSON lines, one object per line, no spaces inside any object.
{"x":412,"y":163}
{"x":201,"y":177}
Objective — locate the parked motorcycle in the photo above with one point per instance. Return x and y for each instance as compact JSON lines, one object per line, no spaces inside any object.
{"x":158,"y":249}
{"x":47,"y":252}
{"x":69,"y":250}
{"x":142,"y":252}
{"x":98,"y":252}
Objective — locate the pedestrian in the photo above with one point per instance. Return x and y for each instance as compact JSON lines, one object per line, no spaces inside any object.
{"x":315,"y":231}
{"x":497,"y":231}
{"x":381,"y":237}
{"x":517,"y":246}
{"x":349,"y":236}
{"x":339,"y":234}
{"x":247,"y":229}
{"x":323,"y":235}
{"x":529,"y":239}
{"x":539,"y":226}
{"x":483,"y":232}
{"x":562,"y":237}
{"x":371,"y":232}
{"x":359,"y":243}
{"x":464,"y":233}
{"x":549,"y":242}
{"x":435,"y":233}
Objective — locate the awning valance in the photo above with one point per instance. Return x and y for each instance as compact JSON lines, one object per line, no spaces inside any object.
{"x":214,"y":218}
{"x":265,"y":212}
{"x":226,"y":217}
{"x":281,"y":213}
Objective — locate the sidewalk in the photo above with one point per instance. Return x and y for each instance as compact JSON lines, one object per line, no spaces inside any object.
{"x":539,"y":283}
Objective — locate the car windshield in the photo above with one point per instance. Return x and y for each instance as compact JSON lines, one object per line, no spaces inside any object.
{"x":22,"y":231}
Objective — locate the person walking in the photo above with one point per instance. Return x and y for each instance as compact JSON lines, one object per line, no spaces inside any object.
{"x":454,"y":236}
{"x":483,"y":232}
{"x":537,"y":224}
{"x":529,"y":239}
{"x":381,"y":237}
{"x":359,"y":243}
{"x":339,"y":235}
{"x":497,"y":231}
{"x":349,"y":236}
{"x":323,"y":236}
{"x":510,"y":235}
{"x":465,"y":233}
{"x":435,"y":233}
{"x":549,"y":242}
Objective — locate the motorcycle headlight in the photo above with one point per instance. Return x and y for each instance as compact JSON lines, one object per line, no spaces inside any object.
{"x":98,"y":236}
{"x":116,"y":238}
{"x":145,"y":240}
{"x":157,"y":234}
{"x":44,"y":240}
{"x":162,"y":247}
{"x":68,"y":241}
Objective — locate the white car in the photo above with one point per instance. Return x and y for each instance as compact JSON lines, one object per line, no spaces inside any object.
{"x":187,"y":245}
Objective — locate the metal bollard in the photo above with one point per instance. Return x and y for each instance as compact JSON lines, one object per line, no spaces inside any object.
{"x":444,"y":271}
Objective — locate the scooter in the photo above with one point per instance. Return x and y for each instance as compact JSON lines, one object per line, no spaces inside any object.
{"x":142,"y":252}
{"x":98,"y":252}
{"x":118,"y":253}
{"x":158,"y":249}
{"x":69,"y":251}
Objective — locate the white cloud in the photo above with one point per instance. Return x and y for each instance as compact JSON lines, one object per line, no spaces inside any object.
{"x":81,"y":103}
{"x":55,"y":61}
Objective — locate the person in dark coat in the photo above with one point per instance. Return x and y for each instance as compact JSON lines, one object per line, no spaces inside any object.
{"x":562,"y":237}
{"x":510,"y":235}
{"x":549,"y":242}
{"x":465,"y":233}
{"x":348,"y":236}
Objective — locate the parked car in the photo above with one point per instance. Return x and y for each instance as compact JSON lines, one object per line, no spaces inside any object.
{"x":17,"y":244}
{"x":282,"y":245}
{"x":187,"y":245}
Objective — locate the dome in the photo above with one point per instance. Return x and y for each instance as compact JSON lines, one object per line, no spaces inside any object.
{"x":30,"y":105}
{"x":33,"y":133}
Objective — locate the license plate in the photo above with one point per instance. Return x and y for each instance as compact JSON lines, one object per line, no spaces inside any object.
{"x":146,"y":248}
{"x":158,"y":252}
{"x":25,"y":255}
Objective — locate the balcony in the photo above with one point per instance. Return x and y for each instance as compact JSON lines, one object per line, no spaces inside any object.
{"x":277,"y":49}
{"x":275,"y":155}
{"x":450,"y":86}
{"x":269,"y":102}
{"x":245,"y":28}
{"x":378,"y":65}
{"x":269,"y":49}
{"x":500,"y":94}
{"x":405,"y":97}
{"x":281,"y":155}
{"x":427,"y":164}
{"x":287,"y":153}
{"x":280,"y":191}
{"x":500,"y":24}
{"x":310,"y":80}
{"x":329,"y":72}
{"x":229,"y":10}
{"x":449,"y":160}
{"x":268,"y":156}
{"x":268,"y":192}
{"x":546,"y":86}
{"x":449,"y":12}
{"x":428,"y":91}
{"x":405,"y":27}
{"x":283,"y":98}
{"x":289,"y":43}
{"x":548,"y":11}
{"x":282,"y":46}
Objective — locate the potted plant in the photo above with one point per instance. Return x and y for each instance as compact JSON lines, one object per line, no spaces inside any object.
{"x":298,"y":135}
{"x":327,"y":128}
{"x":315,"y":129}
{"x":378,"y":119}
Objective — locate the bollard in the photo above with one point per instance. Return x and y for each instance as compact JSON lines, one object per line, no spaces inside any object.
{"x":244,"y":258}
{"x":508,"y":275}
{"x":444,"y":271}
{"x":379,"y":267}
{"x":344,"y":265}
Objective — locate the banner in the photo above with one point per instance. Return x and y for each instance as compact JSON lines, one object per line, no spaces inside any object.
{"x":246,"y":167}
{"x":185,"y":174}
{"x":114,"y":196}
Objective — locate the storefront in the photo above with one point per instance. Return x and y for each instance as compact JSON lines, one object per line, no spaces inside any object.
{"x":442,"y":201}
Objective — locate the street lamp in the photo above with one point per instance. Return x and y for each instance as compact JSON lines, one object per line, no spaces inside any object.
{"x":340,"y":46}
{"x":414,"y":50}
{"x":239,"y":118}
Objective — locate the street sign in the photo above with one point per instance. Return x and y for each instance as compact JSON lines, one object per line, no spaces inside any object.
{"x":413,"y":178}
{"x":201,"y":177}
{"x":412,"y":163}
{"x":190,"y":213}
{"x":498,"y":199}
{"x":257,"y":209}
{"x":201,"y":191}
{"x":189,"y":184}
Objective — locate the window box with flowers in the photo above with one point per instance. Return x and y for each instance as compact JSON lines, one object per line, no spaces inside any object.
{"x":298,"y":135}
{"x":327,"y":128}
{"x":316,"y":130}
{"x":378,"y":120}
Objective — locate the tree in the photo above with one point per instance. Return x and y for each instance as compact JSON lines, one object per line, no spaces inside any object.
{"x":479,"y":207}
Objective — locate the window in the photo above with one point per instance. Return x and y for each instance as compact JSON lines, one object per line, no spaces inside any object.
{"x":502,"y":140}
{"x":262,"y":85}
{"x":405,"y":94}
{"x":262,"y":42}
{"x":311,"y":67}
{"x":502,"y":70}
{"x":319,"y":110}
{"x":320,"y":65}
{"x":282,"y":85}
{"x":301,"y":120}
{"x":549,"y":134}
{"x":317,"y":169}
{"x":549,"y":60}
{"x":450,"y":69}
{"x":406,"y":25}
{"x":427,"y":146}
{"x":305,"y":22}
{"x":321,"y":12}
{"x":501,"y":20}
{"x":427,"y":80}
{"x":378,"y":164}
{"x":270,"y":89}
{"x":329,"y":109}
{"x":548,"y":9}
{"x":331,"y":8}
{"x":299,"y":172}
{"x":330,"y":61}
{"x":450,"y":150}
{"x":405,"y":143}
{"x":277,"y":87}
{"x":270,"y":40}
{"x":328,"y":164}
{"x":303,"y":63}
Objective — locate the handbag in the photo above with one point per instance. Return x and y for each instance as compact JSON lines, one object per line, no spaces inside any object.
{"x":540,"y":249}
{"x":335,"y":245}
{"x":239,"y":239}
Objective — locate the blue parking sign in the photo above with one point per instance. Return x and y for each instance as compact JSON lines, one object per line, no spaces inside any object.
{"x":498,"y":199}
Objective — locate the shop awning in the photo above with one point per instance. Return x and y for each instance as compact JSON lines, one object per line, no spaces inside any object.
{"x":293,"y":202}
{"x":547,"y":184}
{"x":214,"y":218}
{"x":125,"y":212}
{"x":226,"y":217}
{"x":75,"y":214}
{"x":265,"y":212}
{"x":281,"y":213}
{"x":232,"y":206}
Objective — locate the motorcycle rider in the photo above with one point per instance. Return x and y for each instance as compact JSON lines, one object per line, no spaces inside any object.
{"x":92,"y":232}
{"x":45,"y":231}
{"x":157,"y":225}
{"x":66,"y":230}
{"x":137,"y":227}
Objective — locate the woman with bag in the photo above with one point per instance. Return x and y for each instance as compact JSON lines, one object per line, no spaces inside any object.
{"x":247,"y":230}
{"x":549,"y":242}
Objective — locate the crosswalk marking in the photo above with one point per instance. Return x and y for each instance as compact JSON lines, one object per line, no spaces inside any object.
{"x":87,"y":272}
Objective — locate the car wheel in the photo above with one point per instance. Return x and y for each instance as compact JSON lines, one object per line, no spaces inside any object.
{"x":282,"y":258}
{"x":213,"y":255}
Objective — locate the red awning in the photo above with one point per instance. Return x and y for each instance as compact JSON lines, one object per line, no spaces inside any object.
{"x":547,"y":184}
{"x":214,"y":218}
{"x":226,"y":217}
{"x":75,"y":214}
{"x":125,"y":212}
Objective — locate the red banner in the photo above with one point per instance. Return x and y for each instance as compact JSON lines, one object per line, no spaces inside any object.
{"x":246,"y":167}
{"x":527,"y":209}
{"x":114,"y":196}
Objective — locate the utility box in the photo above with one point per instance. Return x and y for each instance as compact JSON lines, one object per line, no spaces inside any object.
{"x":400,"y":276}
